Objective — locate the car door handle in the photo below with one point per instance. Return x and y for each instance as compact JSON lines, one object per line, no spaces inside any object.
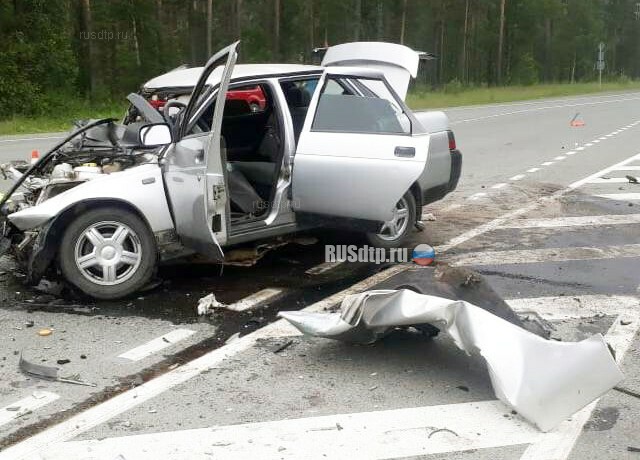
{"x":406,"y":152}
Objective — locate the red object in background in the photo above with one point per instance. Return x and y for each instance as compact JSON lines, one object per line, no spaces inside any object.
{"x":253,"y":95}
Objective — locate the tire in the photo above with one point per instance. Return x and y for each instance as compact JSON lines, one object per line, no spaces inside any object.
{"x":396,"y":239}
{"x":108,"y":253}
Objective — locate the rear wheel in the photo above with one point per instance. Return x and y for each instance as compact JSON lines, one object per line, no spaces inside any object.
{"x":394,"y":232}
{"x":108,"y":253}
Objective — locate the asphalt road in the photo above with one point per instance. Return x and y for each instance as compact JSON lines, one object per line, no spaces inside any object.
{"x":543,"y":212}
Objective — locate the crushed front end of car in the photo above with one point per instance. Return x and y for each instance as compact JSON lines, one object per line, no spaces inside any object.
{"x":94,"y":149}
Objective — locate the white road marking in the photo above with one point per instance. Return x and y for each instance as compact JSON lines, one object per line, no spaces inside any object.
{"x":372,"y":435}
{"x":547,"y":163}
{"x":602,"y":138}
{"x":579,"y":149}
{"x":620,"y":196}
{"x":256,"y":299}
{"x":579,"y":221}
{"x":477,"y":196}
{"x":532,"y":170}
{"x":323,"y":267}
{"x":24,"y":139}
{"x":610,"y":180}
{"x":572,"y":152}
{"x":566,"y":307}
{"x":157,"y":344}
{"x":560,"y":158}
{"x":20,"y":408}
{"x":596,"y":141}
{"x":80,"y":423}
{"x":628,"y":168}
{"x":518,"y":177}
{"x":588,"y":144}
{"x":608,"y":135}
{"x":545,"y":255}
{"x":500,"y":185}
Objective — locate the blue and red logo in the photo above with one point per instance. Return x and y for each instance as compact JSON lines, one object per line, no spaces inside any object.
{"x":423,"y":254}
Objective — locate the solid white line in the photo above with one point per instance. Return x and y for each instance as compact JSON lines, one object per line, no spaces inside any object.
{"x":532,"y":170}
{"x":572,"y":152}
{"x":579,"y":221}
{"x":518,"y":177}
{"x":500,"y":185}
{"x":544,"y":255}
{"x":115,"y":406}
{"x":30,"y":139}
{"x":547,"y":163}
{"x":566,"y":307}
{"x":610,"y":180}
{"x":26,"y":405}
{"x":560,"y":158}
{"x":157,"y":344}
{"x":323,"y":267}
{"x":374,"y":435}
{"x":256,"y":299}
{"x":620,"y":196}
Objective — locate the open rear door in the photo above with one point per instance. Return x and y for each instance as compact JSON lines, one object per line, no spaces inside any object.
{"x":360,"y":149}
{"x":193,"y":171}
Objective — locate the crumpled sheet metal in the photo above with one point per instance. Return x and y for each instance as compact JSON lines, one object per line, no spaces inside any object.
{"x":544,"y":381}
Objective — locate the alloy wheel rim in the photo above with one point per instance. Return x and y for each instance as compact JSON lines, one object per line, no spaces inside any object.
{"x":392,"y":229}
{"x":108,"y":253}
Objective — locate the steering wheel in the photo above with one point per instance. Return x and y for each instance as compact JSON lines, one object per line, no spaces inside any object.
{"x":169,"y":105}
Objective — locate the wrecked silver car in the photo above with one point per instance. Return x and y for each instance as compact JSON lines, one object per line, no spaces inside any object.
{"x":329,"y":145}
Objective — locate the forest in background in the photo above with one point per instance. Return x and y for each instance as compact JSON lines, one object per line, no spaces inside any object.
{"x":55,"y":52}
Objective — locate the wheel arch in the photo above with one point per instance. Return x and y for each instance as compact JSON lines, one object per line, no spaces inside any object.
{"x":46,"y":246}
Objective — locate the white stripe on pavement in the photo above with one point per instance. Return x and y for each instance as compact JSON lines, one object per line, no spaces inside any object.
{"x":20,"y":408}
{"x":566,"y":307}
{"x":620,"y":196}
{"x":157,"y":344}
{"x":610,"y":180}
{"x":547,"y":163}
{"x":579,"y":221}
{"x":323,"y":267}
{"x":517,"y":177}
{"x":24,"y":139}
{"x":628,"y":168}
{"x":532,"y":170}
{"x":366,"y":435}
{"x":532,"y":256}
{"x":256,"y":299}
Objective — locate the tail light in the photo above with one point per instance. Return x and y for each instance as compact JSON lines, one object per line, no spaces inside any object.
{"x":452,"y":140}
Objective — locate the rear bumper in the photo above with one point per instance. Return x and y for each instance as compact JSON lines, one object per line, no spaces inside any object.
{"x":434,"y":194}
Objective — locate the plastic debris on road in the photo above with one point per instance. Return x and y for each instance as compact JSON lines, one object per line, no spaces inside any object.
{"x":544,"y":381}
{"x":208,"y":303}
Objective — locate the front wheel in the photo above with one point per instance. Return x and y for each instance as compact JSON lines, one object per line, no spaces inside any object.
{"x":394,"y":232}
{"x":108,"y":253}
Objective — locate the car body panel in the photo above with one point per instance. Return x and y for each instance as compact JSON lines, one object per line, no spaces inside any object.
{"x":140,"y":186}
{"x":398,"y":62}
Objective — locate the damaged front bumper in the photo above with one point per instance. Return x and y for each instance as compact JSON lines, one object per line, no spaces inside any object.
{"x":544,"y":381}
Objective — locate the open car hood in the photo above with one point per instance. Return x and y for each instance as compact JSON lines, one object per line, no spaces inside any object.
{"x":399,"y":63}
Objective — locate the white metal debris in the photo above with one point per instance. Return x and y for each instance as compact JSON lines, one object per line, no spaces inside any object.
{"x":544,"y":381}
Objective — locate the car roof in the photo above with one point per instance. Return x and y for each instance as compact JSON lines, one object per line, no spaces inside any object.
{"x":187,"y":78}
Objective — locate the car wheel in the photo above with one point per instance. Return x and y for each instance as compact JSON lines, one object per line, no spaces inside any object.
{"x":394,"y":232}
{"x":108,"y":253}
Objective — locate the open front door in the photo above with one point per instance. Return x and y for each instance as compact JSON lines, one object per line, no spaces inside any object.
{"x":193,"y":170}
{"x":360,"y":149}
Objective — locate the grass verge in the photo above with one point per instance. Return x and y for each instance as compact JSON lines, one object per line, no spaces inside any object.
{"x":424,"y":99}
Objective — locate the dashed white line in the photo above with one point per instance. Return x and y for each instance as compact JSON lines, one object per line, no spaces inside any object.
{"x":576,"y":221}
{"x":19,"y":408}
{"x":603,"y":138}
{"x":256,"y":299}
{"x":571,"y":152}
{"x":517,"y":177}
{"x":532,"y":170}
{"x":547,"y":163}
{"x":588,"y":144}
{"x":500,"y":185}
{"x":157,"y":344}
{"x":323,"y":268}
{"x":560,"y":158}
{"x":579,"y":149}
{"x":595,"y":141}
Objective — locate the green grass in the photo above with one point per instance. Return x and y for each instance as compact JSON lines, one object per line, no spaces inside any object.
{"x":61,"y":117}
{"x":459,"y":96}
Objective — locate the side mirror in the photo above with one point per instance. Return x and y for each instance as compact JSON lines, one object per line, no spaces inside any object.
{"x":155,"y":135}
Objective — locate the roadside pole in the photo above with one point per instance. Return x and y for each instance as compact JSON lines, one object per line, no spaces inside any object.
{"x":600,"y":62}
